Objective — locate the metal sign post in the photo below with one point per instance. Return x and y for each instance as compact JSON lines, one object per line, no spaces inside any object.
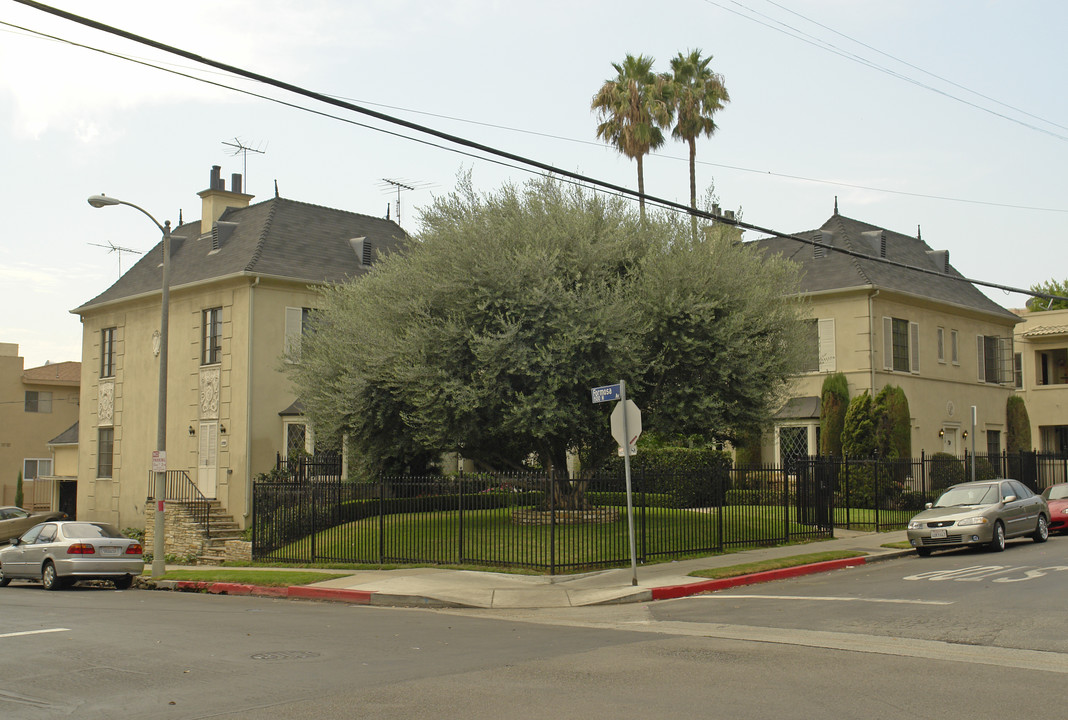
{"x":626,"y":427}
{"x":626,"y":466}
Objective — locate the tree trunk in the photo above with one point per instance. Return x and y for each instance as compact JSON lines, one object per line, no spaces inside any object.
{"x":693,"y":185}
{"x":641,"y":190}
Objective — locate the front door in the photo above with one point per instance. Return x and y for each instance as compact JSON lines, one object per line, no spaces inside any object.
{"x":207,"y":462}
{"x":950,"y":441}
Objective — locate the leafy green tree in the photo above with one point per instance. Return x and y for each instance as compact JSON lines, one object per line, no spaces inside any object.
{"x":834,"y":401}
{"x":18,"y":491}
{"x":697,"y":93}
{"x":1017,"y":426}
{"x":632,"y":108}
{"x":1050,"y":287}
{"x":858,"y":429}
{"x":485,"y":336}
{"x":893,"y":424}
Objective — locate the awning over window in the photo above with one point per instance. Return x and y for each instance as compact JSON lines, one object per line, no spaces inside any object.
{"x":297,"y":408}
{"x":799,"y":408}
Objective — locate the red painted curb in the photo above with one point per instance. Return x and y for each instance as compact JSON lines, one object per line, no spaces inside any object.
{"x":676,"y":591}
{"x":320,"y":593}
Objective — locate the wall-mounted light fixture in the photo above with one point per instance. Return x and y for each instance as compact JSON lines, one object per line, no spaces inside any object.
{"x":964,"y":435}
{"x":192,"y":432}
{"x":222,"y":429}
{"x":941,"y":432}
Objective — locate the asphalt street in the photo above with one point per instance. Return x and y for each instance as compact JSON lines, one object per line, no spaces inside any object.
{"x":961,"y":634}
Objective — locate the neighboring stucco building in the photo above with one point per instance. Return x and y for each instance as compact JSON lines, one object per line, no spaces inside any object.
{"x":36,"y":405}
{"x":242,"y":286}
{"x":1042,"y":376}
{"x":914,"y":324}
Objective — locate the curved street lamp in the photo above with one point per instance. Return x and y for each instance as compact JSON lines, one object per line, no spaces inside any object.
{"x":158,"y":538}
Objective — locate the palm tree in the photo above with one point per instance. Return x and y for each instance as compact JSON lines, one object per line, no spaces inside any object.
{"x":697,"y":93}
{"x":632,"y":107}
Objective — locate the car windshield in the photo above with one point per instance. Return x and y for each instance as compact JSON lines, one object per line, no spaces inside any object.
{"x":91,"y":530}
{"x":969,"y":495}
{"x":1056,"y":492}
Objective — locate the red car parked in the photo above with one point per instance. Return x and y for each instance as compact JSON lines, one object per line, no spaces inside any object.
{"x":1057,"y":498}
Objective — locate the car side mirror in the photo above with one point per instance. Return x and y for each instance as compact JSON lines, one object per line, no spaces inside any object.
{"x":1009,"y":498}
{"x":14,"y":541}
{"x":928,"y":505}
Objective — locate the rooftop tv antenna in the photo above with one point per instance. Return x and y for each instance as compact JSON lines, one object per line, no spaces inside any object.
{"x":391,"y":184}
{"x":243,"y":150}
{"x":113,"y":248}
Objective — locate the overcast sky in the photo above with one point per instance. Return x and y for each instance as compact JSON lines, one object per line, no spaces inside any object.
{"x":960,"y":129}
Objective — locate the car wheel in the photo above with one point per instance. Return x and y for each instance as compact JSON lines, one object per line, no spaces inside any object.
{"x":997,"y":543}
{"x":4,"y":581}
{"x":49,"y":579}
{"x":923,"y":552}
{"x":1042,"y":531}
{"x":124,"y":582}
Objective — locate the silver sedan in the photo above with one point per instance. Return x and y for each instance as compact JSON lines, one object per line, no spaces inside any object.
{"x":64,"y":552}
{"x":980,"y":513}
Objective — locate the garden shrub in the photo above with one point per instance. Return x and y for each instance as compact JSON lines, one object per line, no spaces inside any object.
{"x":945,"y":470}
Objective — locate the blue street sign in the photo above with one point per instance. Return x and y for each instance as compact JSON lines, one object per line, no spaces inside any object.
{"x":606,"y":393}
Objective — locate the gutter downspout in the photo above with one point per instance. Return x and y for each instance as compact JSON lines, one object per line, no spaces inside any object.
{"x":871,"y":337}
{"x":248,"y":403}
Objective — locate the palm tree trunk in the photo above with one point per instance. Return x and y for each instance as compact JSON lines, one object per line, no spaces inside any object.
{"x":693,"y":185}
{"x":641,"y":190}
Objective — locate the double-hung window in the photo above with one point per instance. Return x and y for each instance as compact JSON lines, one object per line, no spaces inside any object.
{"x":901,"y":345}
{"x":995,"y":359}
{"x":38,"y":402}
{"x":107,"y":352}
{"x":211,"y":336}
{"x":105,"y":450}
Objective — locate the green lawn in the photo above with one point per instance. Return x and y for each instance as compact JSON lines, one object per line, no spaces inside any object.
{"x":491,"y":538}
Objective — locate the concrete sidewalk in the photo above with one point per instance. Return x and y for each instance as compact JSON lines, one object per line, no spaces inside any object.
{"x":436,"y":587}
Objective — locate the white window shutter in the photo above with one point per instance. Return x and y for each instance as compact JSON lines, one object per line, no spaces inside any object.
{"x":888,"y":344}
{"x":826,"y":335}
{"x":914,"y":347}
{"x":981,"y":346}
{"x":294,"y":328}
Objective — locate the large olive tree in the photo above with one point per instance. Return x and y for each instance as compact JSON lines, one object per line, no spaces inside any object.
{"x":486,"y":334}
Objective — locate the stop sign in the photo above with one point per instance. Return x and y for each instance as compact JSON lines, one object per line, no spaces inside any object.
{"x":634,"y":424}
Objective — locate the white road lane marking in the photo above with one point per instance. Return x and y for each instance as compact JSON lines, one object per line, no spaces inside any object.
{"x":34,"y":632}
{"x":895,"y":601}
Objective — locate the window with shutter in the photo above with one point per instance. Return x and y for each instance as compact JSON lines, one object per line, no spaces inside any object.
{"x":827,"y":362}
{"x":914,"y":348}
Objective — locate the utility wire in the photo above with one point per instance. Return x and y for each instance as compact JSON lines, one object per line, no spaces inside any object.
{"x":162,"y":66}
{"x":593,"y":182}
{"x":823,"y":45}
{"x":915,"y":67}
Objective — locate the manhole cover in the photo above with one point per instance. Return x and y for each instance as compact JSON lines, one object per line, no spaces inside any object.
{"x":286,"y":655}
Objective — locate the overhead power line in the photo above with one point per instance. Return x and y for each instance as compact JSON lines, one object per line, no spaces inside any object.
{"x":162,"y":67}
{"x":464,"y":142}
{"x":824,"y":45}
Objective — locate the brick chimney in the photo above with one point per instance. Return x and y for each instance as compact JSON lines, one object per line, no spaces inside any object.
{"x":217,"y":198}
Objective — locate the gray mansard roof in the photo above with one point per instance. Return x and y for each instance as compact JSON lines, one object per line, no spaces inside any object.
{"x":276,"y":238}
{"x":826,"y":270}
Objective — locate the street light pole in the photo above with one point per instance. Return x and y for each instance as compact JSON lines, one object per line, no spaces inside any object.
{"x":158,"y":537}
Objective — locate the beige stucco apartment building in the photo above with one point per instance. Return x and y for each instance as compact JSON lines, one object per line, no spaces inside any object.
{"x":242,"y":286}
{"x":36,"y":405}
{"x":1042,"y":376}
{"x":911,"y":322}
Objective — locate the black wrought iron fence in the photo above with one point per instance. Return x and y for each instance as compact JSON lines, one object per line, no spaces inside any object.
{"x":529,"y":520}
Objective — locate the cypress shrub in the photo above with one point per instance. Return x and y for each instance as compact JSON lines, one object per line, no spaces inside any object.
{"x":834,"y":401}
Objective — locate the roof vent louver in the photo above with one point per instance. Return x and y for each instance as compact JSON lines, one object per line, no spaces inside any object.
{"x":823,"y":238}
{"x":876,"y":240}
{"x":220,"y":233}
{"x":363,"y":249}
{"x":940,"y":259}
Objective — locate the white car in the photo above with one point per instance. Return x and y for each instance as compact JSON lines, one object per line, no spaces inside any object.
{"x":63,"y":552}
